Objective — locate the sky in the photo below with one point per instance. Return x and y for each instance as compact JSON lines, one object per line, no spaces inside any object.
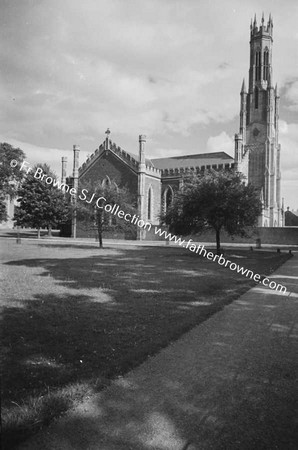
{"x":171,"y":70}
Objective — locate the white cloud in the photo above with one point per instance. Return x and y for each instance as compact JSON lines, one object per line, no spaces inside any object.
{"x":46,"y":155}
{"x":221,"y":143}
{"x":292,"y":95}
{"x":288,"y":136}
{"x":289,"y":162}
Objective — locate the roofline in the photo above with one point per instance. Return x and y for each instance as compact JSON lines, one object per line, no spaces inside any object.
{"x":201,"y":155}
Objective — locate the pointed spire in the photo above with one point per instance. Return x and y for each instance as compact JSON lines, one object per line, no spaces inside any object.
{"x":263,"y":18}
{"x":276,"y":91}
{"x":243,"y":88}
{"x":250,"y":24}
{"x":255,"y":21}
{"x":270,"y":19}
{"x":270,"y":25}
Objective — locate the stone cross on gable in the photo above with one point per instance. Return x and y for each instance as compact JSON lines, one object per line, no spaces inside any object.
{"x":107,"y":139}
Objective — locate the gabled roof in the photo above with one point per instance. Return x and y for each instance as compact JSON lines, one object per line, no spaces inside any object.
{"x":291,"y":219}
{"x":174,"y":162}
{"x":127,"y":157}
{"x":147,"y":161}
{"x":200,"y":159}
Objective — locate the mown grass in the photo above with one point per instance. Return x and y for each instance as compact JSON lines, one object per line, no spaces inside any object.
{"x":74,"y":317}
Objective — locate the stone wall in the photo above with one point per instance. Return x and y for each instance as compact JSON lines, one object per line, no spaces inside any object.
{"x":270,"y":235}
{"x":110,"y":165}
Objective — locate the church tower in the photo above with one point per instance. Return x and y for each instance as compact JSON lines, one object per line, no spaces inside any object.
{"x":257,"y":149}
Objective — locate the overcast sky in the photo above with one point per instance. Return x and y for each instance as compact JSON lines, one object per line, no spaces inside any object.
{"x":169,"y":69}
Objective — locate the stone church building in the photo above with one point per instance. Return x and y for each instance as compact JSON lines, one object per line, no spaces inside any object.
{"x":257,"y":148}
{"x":153,"y":182}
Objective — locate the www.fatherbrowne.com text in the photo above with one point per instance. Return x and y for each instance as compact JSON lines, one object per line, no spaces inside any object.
{"x":134,"y":219}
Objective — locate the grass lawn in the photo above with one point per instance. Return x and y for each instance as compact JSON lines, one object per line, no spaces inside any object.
{"x":74,"y":317}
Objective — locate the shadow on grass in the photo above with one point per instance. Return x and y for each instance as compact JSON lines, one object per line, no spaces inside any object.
{"x":229,"y":395}
{"x":124,"y":306}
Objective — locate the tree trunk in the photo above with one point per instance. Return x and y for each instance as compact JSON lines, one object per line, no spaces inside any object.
{"x":217,"y":242}
{"x":38,"y":233}
{"x":100,"y":239}
{"x":99,"y":230}
{"x":50,"y":231}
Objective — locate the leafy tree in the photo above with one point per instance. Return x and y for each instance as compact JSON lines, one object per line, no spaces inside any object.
{"x":41,"y":204}
{"x":214,"y":200}
{"x":3,"y":212}
{"x":10,"y":175}
{"x":94,"y":213}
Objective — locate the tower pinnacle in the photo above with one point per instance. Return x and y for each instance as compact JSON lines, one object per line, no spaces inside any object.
{"x":243,"y":88}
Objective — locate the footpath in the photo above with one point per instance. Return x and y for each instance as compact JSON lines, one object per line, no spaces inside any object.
{"x":230,"y":383}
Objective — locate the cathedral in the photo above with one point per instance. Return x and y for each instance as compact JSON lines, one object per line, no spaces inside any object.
{"x":153,"y":182}
{"x":257,"y":150}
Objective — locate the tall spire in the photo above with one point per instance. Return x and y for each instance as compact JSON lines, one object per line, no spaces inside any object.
{"x":243,"y":88}
{"x":270,"y":19}
{"x":270,"y":24}
{"x":276,"y":91}
{"x":255,"y":21}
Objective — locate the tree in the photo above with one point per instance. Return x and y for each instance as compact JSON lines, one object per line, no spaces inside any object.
{"x":3,"y":212}
{"x":41,"y":204}
{"x":91,"y":210}
{"x":10,"y":174}
{"x":214,"y":200}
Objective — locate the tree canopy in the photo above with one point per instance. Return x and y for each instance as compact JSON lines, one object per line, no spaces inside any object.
{"x":10,"y":175}
{"x":41,"y":205}
{"x":214,"y":200}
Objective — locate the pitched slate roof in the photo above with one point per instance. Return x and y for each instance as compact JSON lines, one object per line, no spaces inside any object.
{"x":200,"y":159}
{"x":291,"y":219}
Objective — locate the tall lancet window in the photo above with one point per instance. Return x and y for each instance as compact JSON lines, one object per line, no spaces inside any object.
{"x":168,"y":198}
{"x":266,"y":64}
{"x":258,"y":65}
{"x":256,"y":97}
{"x":106,"y":182}
{"x":149,"y":204}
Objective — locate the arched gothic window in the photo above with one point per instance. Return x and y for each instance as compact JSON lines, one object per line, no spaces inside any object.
{"x":106,"y":181}
{"x":256,"y":97}
{"x":266,"y":64}
{"x":168,"y":198}
{"x":149,"y":204}
{"x":258,"y":65}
